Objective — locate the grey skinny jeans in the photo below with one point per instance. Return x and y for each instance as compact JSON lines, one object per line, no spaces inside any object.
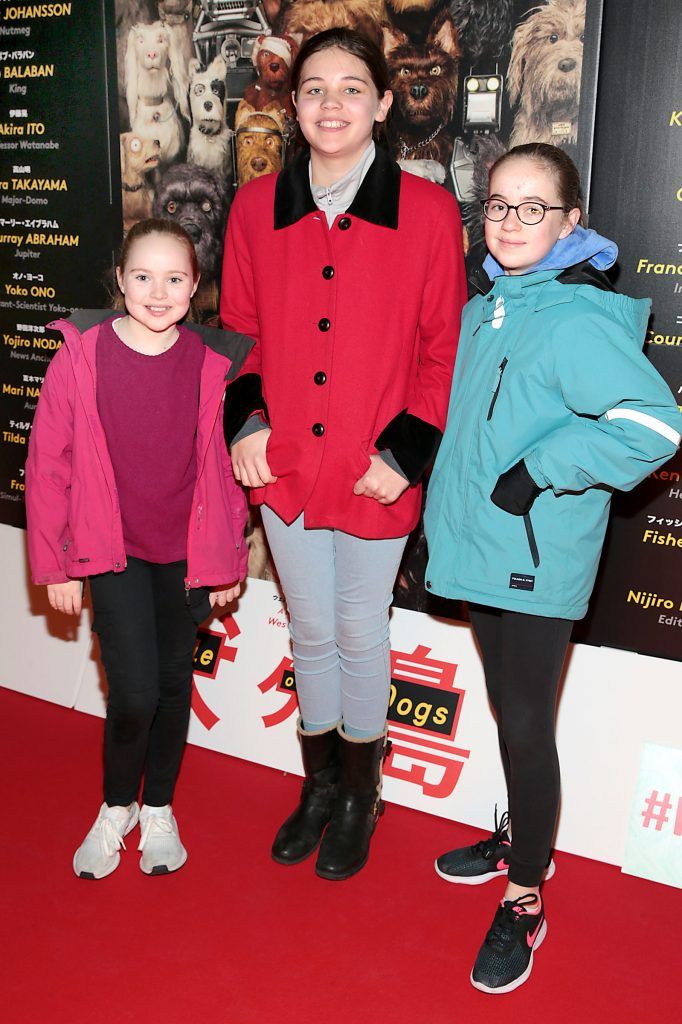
{"x":338,"y":589}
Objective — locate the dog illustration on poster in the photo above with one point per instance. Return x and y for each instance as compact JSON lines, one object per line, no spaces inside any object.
{"x":209,"y":136}
{"x":545,"y":72}
{"x":424,"y":81}
{"x":155,"y":102}
{"x":139,"y":157}
{"x":205,"y":106}
{"x":272,"y":58}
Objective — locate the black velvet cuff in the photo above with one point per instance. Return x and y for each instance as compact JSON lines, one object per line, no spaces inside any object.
{"x":413,"y":442}
{"x":515,"y":491}
{"x":242,"y":397}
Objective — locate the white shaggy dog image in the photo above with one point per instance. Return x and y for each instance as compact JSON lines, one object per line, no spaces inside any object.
{"x":545,"y":71}
{"x":153,"y":105}
{"x":176,"y":17}
{"x":209,"y":137}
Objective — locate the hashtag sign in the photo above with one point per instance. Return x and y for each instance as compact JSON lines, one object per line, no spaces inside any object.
{"x":678,"y":819}
{"x":656,"y":810}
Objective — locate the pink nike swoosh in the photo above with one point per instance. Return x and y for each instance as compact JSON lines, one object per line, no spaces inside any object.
{"x":502,"y":864}
{"x":531,"y":936}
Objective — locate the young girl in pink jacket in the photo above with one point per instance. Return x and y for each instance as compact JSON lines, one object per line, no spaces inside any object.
{"x":129,"y":485}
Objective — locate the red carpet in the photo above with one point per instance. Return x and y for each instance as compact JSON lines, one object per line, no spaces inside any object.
{"x":234,"y":938}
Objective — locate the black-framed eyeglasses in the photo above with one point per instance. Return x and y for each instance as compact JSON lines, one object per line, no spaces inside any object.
{"x":528,"y":213}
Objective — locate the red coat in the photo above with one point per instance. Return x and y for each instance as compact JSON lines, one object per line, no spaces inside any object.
{"x":356,"y":332}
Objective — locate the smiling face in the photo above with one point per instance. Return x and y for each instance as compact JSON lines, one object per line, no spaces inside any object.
{"x":337,"y":105}
{"x":157,"y":282}
{"x":518,"y":247}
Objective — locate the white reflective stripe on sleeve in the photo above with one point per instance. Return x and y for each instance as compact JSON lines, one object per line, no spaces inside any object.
{"x":647,"y":421}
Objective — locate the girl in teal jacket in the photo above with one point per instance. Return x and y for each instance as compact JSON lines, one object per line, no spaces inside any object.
{"x":553,"y":406}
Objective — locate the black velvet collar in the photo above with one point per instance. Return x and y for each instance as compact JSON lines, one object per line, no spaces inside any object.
{"x":376,"y":201}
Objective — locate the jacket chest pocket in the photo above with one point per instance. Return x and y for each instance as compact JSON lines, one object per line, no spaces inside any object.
{"x":497,"y":387}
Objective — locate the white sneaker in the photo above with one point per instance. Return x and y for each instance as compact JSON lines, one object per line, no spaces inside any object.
{"x":162,"y":850}
{"x":98,"y":855}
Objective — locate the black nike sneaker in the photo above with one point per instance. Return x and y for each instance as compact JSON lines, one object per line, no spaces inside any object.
{"x":485,"y":860}
{"x":505,"y":959}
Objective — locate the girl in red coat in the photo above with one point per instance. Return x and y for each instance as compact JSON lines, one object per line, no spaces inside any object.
{"x":128,"y":483}
{"x":349,"y":274}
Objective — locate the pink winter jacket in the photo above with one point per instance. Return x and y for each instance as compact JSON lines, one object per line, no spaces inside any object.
{"x":74,"y":520}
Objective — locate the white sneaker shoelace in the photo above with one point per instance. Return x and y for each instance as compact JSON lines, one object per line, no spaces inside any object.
{"x":153,"y":823}
{"x":110,"y":839}
{"x":98,"y":855}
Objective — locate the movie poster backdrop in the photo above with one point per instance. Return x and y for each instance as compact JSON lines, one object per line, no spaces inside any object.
{"x":204,"y":107}
{"x":200,"y":104}
{"x":637,"y":199}
{"x":59,"y":208}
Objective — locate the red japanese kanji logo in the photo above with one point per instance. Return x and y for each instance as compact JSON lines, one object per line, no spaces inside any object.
{"x":282,"y":679}
{"x":423,"y":714}
{"x":424,"y":702}
{"x":211,"y":648}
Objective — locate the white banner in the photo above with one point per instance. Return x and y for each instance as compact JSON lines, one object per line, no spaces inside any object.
{"x":654,"y":844}
{"x":445,"y":758}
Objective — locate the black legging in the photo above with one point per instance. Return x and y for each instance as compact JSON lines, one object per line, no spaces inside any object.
{"x":522,"y":657}
{"x":147,"y":633}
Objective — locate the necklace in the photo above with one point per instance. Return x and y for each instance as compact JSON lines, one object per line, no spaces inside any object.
{"x":405,"y":149}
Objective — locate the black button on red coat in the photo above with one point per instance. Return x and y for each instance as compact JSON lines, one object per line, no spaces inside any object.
{"x":318,"y":429}
{"x":320,"y":378}
{"x":344,"y":223}
{"x":327,"y":273}
{"x":324,"y":324}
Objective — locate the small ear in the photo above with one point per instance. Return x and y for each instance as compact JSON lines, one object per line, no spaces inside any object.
{"x":119,"y":279}
{"x":293,"y":44}
{"x":392,"y":38}
{"x":517,"y":64}
{"x":193,"y":67}
{"x":219,"y":68}
{"x":572,"y":218}
{"x":244,"y":111}
{"x":443,"y":35}
{"x":131,"y":74}
{"x":515,"y":76}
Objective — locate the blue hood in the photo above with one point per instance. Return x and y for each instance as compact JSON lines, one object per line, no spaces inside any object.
{"x":582,"y":244}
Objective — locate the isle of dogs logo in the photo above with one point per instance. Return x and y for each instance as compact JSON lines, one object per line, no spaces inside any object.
{"x":423,"y":713}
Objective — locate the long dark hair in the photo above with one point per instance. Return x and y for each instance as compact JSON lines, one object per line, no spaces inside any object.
{"x":562,"y":167}
{"x":357,"y":45}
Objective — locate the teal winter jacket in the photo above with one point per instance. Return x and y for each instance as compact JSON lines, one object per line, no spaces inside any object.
{"x":550,"y":371}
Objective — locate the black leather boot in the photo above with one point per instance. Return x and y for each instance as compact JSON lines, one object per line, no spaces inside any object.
{"x":345,"y":847}
{"x":301,"y":832}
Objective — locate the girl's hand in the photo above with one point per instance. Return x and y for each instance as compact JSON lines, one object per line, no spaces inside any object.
{"x":249,"y":461}
{"x":66,"y":597}
{"x":381,"y":482}
{"x":223,"y":597}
